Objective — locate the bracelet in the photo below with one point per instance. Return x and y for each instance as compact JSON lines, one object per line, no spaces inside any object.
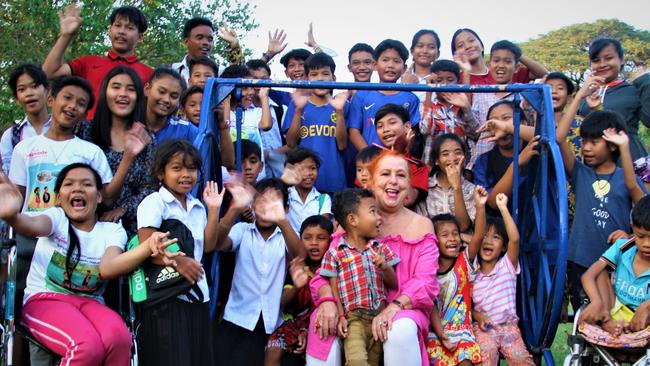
{"x":398,"y":303}
{"x":325,"y":299}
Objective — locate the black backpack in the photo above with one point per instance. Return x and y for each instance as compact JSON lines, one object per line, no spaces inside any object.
{"x":164,"y":282}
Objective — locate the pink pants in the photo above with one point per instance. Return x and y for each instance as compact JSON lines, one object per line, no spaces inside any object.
{"x":80,"y":329}
{"x":505,"y":338}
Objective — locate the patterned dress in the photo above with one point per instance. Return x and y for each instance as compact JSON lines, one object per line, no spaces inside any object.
{"x":138,"y":182}
{"x":455,"y":307}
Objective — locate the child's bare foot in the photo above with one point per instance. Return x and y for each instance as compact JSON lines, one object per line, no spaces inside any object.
{"x":613,"y":327}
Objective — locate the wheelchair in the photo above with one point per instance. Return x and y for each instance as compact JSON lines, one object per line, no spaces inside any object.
{"x":39,"y":354}
{"x":583,"y":352}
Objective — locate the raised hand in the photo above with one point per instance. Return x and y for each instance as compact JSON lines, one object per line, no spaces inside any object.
{"x":291,"y":175}
{"x":529,"y":151}
{"x":300,"y":99}
{"x":211,"y":195}
{"x":590,"y":90}
{"x":458,"y":99}
{"x":270,"y":207}
{"x":69,"y":19}
{"x":409,"y":78}
{"x":311,"y":42}
{"x":495,"y":129}
{"x":229,"y":35}
{"x":502,"y":201}
{"x":481,"y":195}
{"x":299,"y":275}
{"x":378,"y":258}
{"x":241,"y":195}
{"x":462,"y":61}
{"x":264,"y":93}
{"x":617,"y":138}
{"x":453,"y":172}
{"x":276,"y":43}
{"x":339,"y":101}
{"x":136,"y":139}
{"x":12,"y":200}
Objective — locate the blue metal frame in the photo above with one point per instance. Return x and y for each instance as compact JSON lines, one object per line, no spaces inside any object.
{"x":540,"y":211}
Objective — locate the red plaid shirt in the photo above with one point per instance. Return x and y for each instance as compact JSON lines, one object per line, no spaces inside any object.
{"x":360,"y":282}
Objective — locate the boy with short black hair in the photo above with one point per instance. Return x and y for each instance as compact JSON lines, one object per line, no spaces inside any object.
{"x":198,"y":37}
{"x":126,"y":30}
{"x":359,"y":287}
{"x":37,"y":161}
{"x":29,"y":87}
{"x":393,"y":128}
{"x":626,"y":306}
{"x":604,"y":193}
{"x":293,"y":62}
{"x":317,"y":121}
{"x":504,"y":56}
{"x":191,"y":104}
{"x":251,"y":161}
{"x":445,"y":112}
{"x":390,"y":56}
{"x":361,"y":62}
{"x":362,"y":161}
{"x":201,"y":69}
{"x":304,"y":199}
{"x":262,"y":250}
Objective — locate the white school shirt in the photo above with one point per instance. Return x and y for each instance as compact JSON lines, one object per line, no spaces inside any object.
{"x":299,"y":211}
{"x":162,"y":205}
{"x":6,"y":145}
{"x":38,"y":160}
{"x":258,"y":279}
{"x":47,"y":272}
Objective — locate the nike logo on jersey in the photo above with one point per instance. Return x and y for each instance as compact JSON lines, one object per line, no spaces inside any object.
{"x":366,"y":107}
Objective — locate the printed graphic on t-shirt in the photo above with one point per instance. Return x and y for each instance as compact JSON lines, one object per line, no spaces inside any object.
{"x":85,"y":280}
{"x":42,"y":178}
{"x":600,"y":214}
{"x":252,"y":134}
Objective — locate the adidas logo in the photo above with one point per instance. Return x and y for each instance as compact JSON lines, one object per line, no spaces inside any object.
{"x":167,"y":273}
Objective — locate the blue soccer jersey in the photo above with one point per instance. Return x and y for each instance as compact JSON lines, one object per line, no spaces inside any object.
{"x":365,"y":105}
{"x":318,"y":132}
{"x":176,"y":129}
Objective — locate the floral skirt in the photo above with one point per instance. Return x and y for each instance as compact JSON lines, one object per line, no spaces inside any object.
{"x":467,"y":348}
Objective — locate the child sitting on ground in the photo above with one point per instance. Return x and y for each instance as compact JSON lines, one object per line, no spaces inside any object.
{"x":360,"y":270}
{"x":622,"y":306}
{"x":495,"y":292}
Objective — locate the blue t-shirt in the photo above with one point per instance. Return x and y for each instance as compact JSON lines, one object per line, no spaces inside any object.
{"x":630,"y":290}
{"x":280,"y":97}
{"x":365,"y":105}
{"x":318,"y":132}
{"x":177,"y":129}
{"x":603,"y":205}
{"x":487,"y":176}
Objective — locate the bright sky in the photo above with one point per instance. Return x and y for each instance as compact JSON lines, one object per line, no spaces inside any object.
{"x":339,"y":24}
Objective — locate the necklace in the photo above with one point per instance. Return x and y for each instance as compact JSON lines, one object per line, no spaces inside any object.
{"x":53,"y":149}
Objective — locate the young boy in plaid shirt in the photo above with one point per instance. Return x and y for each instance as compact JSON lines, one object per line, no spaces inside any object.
{"x":360,"y":269}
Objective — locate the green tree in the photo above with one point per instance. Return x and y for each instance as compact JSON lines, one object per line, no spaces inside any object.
{"x":30,"y":28}
{"x":566,"y":49}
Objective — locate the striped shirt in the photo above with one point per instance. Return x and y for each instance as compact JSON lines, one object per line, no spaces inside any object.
{"x":495,"y":294}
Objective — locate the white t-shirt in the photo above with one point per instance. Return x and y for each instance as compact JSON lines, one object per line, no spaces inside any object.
{"x":162,"y":205}
{"x":37,"y":161}
{"x":47,"y":272}
{"x":6,"y":144}
{"x":299,"y":211}
{"x":258,"y":278}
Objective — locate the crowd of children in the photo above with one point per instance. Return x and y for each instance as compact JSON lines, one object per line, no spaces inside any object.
{"x":368,"y":227}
